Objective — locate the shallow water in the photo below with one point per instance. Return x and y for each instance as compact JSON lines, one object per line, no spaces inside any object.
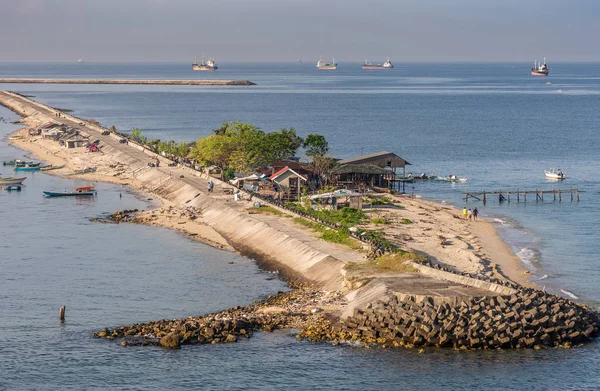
{"x":492,"y":123}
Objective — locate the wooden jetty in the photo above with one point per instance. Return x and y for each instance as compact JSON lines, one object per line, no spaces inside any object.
{"x":521,"y":195}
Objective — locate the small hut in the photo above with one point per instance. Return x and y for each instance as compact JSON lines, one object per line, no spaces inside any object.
{"x":288,"y":181}
{"x":361,"y":176}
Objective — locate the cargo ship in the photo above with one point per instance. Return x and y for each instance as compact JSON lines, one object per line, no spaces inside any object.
{"x":208,"y":66}
{"x":326,"y":66}
{"x":386,"y":65}
{"x":540,"y":69}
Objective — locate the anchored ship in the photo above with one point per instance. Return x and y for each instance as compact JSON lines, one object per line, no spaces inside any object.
{"x":208,"y":66}
{"x":322,"y":65}
{"x":540,"y":69}
{"x":386,"y":65}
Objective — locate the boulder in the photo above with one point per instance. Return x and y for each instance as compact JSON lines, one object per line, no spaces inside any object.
{"x":170,"y":341}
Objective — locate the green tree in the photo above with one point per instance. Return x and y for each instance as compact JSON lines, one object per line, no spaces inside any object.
{"x":315,"y":145}
{"x":214,"y":150}
{"x":136,"y":135}
{"x":282,"y":144}
{"x":182,"y":149}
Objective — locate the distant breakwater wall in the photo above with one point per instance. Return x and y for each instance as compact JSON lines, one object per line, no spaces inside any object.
{"x":527,"y":318}
{"x":130,"y":81}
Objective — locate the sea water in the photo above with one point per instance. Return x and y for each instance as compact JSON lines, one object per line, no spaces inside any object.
{"x":491,"y":122}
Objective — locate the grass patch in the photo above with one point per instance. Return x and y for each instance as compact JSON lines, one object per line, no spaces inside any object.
{"x":406,"y":221}
{"x":388,"y":263}
{"x":379,"y":220}
{"x":346,"y":217}
{"x":265,"y":210}
{"x":340,"y":235}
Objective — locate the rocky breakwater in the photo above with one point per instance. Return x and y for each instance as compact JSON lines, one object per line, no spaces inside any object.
{"x":130,"y":81}
{"x":527,"y":319}
{"x":295,"y":309}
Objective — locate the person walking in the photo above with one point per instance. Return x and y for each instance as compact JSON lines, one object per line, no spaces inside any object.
{"x":475,"y":214}
{"x":211,"y":186}
{"x":470,"y":214}
{"x":465,"y":213}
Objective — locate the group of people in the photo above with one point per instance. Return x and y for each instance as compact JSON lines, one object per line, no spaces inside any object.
{"x":470,"y":214}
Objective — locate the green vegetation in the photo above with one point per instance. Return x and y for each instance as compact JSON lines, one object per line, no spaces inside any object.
{"x":265,"y":210}
{"x":388,"y":263}
{"x":379,"y":220}
{"x":165,"y":148}
{"x":345,"y":217}
{"x":244,"y":147}
{"x":406,"y":221}
{"x":339,"y":235}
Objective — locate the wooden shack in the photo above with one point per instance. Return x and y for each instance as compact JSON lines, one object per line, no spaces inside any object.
{"x":361,"y":176}
{"x":381,"y":159}
{"x":288,"y":181}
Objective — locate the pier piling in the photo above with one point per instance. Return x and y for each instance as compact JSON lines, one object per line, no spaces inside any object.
{"x":504,"y":195}
{"x":61,"y":313}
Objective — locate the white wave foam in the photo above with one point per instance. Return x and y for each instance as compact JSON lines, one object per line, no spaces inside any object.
{"x":502,"y":222}
{"x":543,"y":277}
{"x":527,"y":256}
{"x":570,"y":294}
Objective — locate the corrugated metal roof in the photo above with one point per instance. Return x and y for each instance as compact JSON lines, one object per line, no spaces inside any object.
{"x":372,"y":156}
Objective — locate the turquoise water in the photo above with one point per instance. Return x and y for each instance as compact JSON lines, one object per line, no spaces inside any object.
{"x":492,"y":123}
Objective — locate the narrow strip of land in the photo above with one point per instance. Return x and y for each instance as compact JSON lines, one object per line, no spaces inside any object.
{"x":130,"y":81}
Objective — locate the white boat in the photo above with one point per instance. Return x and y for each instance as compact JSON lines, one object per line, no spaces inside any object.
{"x":11,"y":181}
{"x":451,"y":178}
{"x":388,"y":64}
{"x":555,"y":173}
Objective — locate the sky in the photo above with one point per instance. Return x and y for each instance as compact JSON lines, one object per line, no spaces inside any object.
{"x":283,"y":30}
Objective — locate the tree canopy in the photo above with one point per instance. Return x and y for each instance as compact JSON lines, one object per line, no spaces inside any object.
{"x":244,"y":147}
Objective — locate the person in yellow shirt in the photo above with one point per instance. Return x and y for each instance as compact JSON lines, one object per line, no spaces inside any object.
{"x":465,"y":213}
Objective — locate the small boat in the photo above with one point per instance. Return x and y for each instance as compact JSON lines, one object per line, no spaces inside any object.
{"x":451,"y":178}
{"x":32,"y":168}
{"x":555,"y":173}
{"x":78,"y":192}
{"x":13,"y":188}
{"x":11,"y":181}
{"x":16,"y":162}
{"x":52,"y":168}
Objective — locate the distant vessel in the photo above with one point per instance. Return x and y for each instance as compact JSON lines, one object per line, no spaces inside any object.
{"x":299,"y":60}
{"x":540,"y":69}
{"x":386,"y":65}
{"x":80,"y":60}
{"x":208,"y":66}
{"x":323,"y":65}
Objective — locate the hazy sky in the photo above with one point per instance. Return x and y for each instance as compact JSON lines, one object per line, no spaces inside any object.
{"x":283,"y":30}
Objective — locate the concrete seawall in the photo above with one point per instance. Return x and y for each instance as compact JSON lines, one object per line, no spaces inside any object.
{"x":130,"y":81}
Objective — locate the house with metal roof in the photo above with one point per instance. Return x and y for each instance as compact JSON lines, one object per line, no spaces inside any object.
{"x":288,"y":181}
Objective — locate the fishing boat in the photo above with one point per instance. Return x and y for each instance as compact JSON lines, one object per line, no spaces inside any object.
{"x":16,"y":162}
{"x":13,"y":188}
{"x":82,"y":191}
{"x":555,"y":173}
{"x":540,"y":69}
{"x":205,"y":66}
{"x":451,"y":178}
{"x":32,"y":168}
{"x":11,"y":181}
{"x":323,"y":65}
{"x":52,"y":168}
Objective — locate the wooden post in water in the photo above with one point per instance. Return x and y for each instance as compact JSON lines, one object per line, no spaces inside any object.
{"x":518,"y":197}
{"x":577,"y":191}
{"x":525,"y":196}
{"x":559,"y":196}
{"x":554,"y":194}
{"x":509,"y":197}
{"x":484,"y":200}
{"x":61,"y":313}
{"x":571,"y":191}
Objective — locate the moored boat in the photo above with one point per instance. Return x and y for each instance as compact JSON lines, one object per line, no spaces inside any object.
{"x":84,"y":191}
{"x":326,"y":66}
{"x":540,"y":69}
{"x":11,"y":181}
{"x":555,"y":173}
{"x":32,"y":168}
{"x":13,"y":188}
{"x":16,"y":162}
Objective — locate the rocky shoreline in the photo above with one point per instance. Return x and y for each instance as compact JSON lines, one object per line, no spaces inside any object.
{"x":192,"y":82}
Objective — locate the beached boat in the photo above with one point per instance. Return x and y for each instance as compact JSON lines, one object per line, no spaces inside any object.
{"x":32,"y":168}
{"x":84,"y":191}
{"x":52,"y":168}
{"x":555,"y":173}
{"x":16,"y":162}
{"x":11,"y":181}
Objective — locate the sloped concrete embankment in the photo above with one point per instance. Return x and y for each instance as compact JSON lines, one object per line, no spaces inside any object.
{"x":272,"y":248}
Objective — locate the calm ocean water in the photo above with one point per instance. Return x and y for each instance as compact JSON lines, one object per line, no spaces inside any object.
{"x":491,"y":122}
